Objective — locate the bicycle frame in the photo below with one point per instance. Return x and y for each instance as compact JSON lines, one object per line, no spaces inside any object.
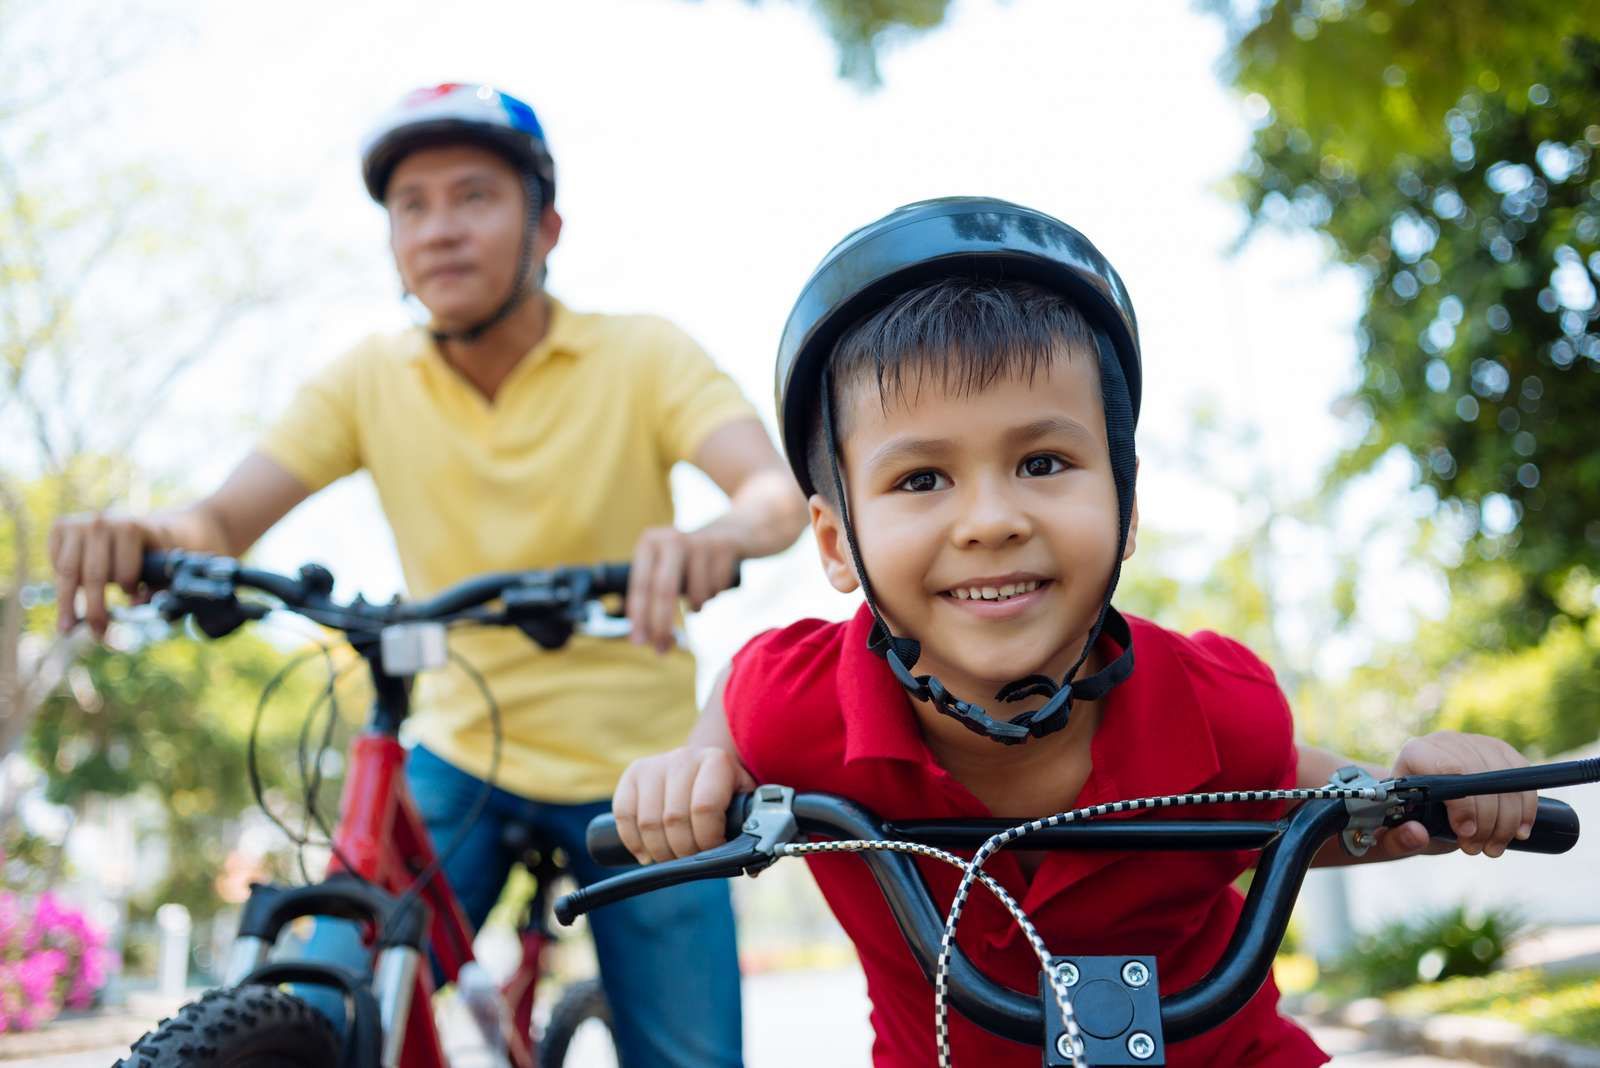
{"x":381,"y":846}
{"x":381,"y":839}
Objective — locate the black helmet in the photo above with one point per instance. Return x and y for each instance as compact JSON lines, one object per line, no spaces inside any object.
{"x":980,"y":238}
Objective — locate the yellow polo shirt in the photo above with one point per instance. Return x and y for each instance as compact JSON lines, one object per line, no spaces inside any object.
{"x":568,"y":465}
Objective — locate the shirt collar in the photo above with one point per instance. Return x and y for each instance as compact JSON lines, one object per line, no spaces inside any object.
{"x":879,"y":722}
{"x":567,"y":333}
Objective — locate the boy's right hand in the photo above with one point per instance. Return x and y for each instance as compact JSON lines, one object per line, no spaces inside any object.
{"x":90,"y":551}
{"x":676,"y":803}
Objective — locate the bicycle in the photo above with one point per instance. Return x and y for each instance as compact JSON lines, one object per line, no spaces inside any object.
{"x":384,"y":872}
{"x":1090,"y":1010}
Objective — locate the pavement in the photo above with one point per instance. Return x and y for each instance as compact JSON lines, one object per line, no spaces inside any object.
{"x":776,"y":1036}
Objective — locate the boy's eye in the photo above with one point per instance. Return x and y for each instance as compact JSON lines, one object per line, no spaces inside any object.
{"x":1042,"y":465}
{"x":923,"y":482}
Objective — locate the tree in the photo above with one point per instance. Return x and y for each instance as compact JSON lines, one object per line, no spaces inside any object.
{"x":114,"y":280}
{"x":171,"y":720}
{"x":1450,"y":160}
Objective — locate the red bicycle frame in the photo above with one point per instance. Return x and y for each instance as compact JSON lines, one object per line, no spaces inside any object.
{"x":381,"y":838}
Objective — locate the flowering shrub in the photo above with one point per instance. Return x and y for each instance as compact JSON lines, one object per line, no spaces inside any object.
{"x":50,"y":957}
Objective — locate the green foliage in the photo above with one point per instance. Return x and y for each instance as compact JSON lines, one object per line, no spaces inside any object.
{"x":1566,"y":1006}
{"x":861,"y":27}
{"x":1451,"y":161}
{"x":171,"y":721}
{"x":1544,"y":699}
{"x":1455,"y":942}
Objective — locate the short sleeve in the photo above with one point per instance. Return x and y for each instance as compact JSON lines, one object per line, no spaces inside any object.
{"x":692,"y":396}
{"x":316,"y":438}
{"x":781,"y":703}
{"x":1258,"y":732}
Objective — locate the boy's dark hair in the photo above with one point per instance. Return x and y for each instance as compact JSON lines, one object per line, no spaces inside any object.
{"x":959,"y":334}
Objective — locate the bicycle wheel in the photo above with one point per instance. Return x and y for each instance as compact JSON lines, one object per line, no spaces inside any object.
{"x":241,"y":1027}
{"x":580,"y":1022}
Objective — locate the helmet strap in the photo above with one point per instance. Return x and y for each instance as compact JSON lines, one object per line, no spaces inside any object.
{"x":902,"y":653}
{"x":520,"y":289}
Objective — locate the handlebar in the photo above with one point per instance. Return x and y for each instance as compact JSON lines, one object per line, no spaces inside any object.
{"x":196,"y":578}
{"x":1287,"y":846}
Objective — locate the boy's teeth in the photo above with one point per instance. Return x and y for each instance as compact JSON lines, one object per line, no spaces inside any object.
{"x":992,"y":593}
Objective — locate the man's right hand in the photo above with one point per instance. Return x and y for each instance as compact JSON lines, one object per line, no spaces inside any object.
{"x":89,"y":552}
{"x":676,"y":803}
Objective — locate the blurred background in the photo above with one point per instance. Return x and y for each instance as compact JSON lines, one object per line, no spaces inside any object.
{"x":1361,"y":237}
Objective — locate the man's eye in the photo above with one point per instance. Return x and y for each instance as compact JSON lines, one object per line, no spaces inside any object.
{"x":1042,"y":465}
{"x":924,"y":482}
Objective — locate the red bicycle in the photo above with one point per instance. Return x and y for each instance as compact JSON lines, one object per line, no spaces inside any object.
{"x":384,"y":873}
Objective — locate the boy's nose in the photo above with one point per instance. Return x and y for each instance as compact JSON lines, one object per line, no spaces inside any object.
{"x":990,"y":516}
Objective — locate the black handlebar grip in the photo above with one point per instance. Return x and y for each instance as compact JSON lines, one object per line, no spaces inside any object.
{"x":613,"y":578}
{"x":1555,"y":827}
{"x":156,"y":569}
{"x":607,"y":848}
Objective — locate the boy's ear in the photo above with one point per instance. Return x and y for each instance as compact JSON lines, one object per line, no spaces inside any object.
{"x":831,"y":545}
{"x":1133,"y":519}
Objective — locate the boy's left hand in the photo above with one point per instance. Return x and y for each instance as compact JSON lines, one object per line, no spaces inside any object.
{"x":1481,"y":824}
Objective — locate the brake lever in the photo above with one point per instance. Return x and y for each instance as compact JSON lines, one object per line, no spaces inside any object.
{"x":741,"y":856}
{"x":599,"y":623}
{"x":769,"y":825}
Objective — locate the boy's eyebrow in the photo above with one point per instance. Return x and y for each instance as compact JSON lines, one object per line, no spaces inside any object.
{"x":903,"y":450}
{"x":1052,"y":425}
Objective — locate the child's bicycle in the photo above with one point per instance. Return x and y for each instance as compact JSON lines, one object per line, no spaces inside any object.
{"x":1090,"y":1010}
{"x":383,"y":873}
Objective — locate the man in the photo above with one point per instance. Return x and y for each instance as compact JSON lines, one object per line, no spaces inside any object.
{"x":516,"y":433}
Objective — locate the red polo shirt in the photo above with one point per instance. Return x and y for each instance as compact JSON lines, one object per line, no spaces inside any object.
{"x":811,"y":707}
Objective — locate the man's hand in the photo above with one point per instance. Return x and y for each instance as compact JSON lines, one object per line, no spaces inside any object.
{"x":668,"y":564}
{"x":676,"y":803}
{"x":91,"y":551}
{"x":1481,"y":824}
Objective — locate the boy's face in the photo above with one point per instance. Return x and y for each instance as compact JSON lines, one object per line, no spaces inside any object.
{"x":987,"y":522}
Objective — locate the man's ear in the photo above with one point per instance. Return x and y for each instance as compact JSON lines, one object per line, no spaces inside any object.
{"x":832,"y":546}
{"x":548,"y":234}
{"x":1133,"y":520}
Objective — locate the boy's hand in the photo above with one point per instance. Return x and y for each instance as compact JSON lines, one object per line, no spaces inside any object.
{"x":676,"y":803}
{"x":1481,"y":824}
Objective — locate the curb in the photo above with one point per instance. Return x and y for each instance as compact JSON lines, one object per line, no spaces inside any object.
{"x":76,"y":1033}
{"x":1472,"y":1038}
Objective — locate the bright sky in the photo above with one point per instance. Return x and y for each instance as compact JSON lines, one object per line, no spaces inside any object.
{"x":708,"y":156}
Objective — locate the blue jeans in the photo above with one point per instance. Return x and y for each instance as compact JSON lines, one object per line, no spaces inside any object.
{"x":667,"y":959}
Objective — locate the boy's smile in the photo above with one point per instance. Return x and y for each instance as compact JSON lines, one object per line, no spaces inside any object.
{"x":987,"y":519}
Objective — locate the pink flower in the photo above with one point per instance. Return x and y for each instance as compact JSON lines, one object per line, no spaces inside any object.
{"x":50,"y":955}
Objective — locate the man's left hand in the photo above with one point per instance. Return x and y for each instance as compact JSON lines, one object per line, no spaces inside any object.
{"x":669,"y":564}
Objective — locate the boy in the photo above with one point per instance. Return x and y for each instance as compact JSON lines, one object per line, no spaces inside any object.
{"x":958,"y":388}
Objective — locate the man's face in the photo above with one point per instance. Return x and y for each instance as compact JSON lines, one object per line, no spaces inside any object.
{"x":987,"y":522}
{"x":456,"y":219}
